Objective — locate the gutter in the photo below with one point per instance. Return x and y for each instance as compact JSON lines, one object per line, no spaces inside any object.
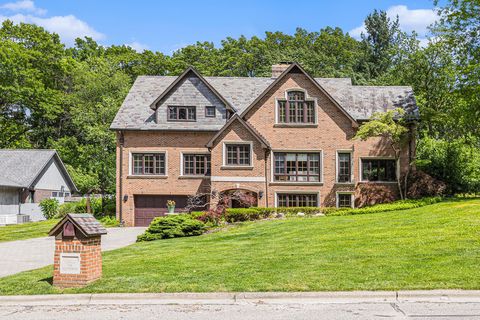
{"x":121,"y":141}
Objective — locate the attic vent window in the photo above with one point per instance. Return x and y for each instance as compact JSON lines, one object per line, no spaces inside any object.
{"x":181,"y":113}
{"x":296,"y":109}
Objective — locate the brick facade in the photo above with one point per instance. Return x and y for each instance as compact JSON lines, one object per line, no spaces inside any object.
{"x":332,"y":132}
{"x":90,"y":254}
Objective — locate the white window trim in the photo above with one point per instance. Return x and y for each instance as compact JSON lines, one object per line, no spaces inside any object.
{"x":307,"y":98}
{"x":182,"y":153}
{"x":297,"y":192}
{"x":272,"y":167}
{"x":352,"y":198}
{"x":224,"y":154}
{"x":352,"y":177}
{"x":360,"y":177}
{"x":130,"y":163}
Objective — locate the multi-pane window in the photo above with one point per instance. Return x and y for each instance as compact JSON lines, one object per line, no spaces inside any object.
{"x":238,"y":154}
{"x":300,"y":167}
{"x":379,"y":170}
{"x":296,"y":109}
{"x":196,"y":164}
{"x":148,"y":163}
{"x":176,"y":113}
{"x":210,"y":111}
{"x":344,"y":200}
{"x":344,"y":167}
{"x":297,"y":200}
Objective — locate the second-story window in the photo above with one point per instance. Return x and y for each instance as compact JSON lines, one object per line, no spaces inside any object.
{"x":344,"y":167}
{"x":148,"y":164}
{"x":237,"y":155}
{"x":196,"y":164}
{"x":176,"y":113}
{"x":299,"y":167}
{"x":296,"y":109}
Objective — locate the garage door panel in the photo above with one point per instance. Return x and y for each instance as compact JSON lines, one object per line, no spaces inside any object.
{"x":148,"y":207}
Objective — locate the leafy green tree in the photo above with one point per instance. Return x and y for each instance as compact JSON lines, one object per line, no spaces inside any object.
{"x":390,"y":126}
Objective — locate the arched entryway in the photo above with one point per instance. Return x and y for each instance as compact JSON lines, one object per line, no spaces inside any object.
{"x":238,"y":198}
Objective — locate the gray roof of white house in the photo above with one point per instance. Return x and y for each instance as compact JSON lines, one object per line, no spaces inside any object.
{"x":359,"y":101}
{"x":21,"y":167}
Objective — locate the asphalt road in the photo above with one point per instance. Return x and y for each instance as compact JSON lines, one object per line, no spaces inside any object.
{"x":22,"y":255}
{"x":296,"y":307}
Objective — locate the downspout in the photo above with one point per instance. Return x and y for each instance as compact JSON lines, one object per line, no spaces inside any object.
{"x":266,"y":177}
{"x":121,"y":141}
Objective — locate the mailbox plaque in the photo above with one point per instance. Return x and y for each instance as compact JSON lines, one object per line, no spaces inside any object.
{"x":70,"y":263}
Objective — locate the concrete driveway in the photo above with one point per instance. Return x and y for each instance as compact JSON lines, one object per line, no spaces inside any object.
{"x":22,"y":255}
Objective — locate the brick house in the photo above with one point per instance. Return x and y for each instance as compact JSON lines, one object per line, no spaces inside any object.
{"x":286,"y":140}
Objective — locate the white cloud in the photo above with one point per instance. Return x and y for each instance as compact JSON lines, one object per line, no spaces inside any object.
{"x":67,"y":27}
{"x":410,"y":20}
{"x":25,"y":5}
{"x":137,"y":46}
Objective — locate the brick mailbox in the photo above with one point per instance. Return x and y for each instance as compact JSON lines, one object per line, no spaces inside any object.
{"x":78,"y":253}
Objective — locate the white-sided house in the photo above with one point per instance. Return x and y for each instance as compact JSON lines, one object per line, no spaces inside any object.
{"x":26,"y":178}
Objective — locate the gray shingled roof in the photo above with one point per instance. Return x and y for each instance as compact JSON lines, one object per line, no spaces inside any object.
{"x":359,"y":101}
{"x":20,"y":167}
{"x":85,"y":222}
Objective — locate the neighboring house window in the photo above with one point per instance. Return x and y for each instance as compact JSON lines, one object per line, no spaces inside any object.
{"x":238,"y":154}
{"x":344,"y":167}
{"x":379,"y":170}
{"x":344,"y":200}
{"x":181,"y":113}
{"x":296,"y":109}
{"x":297,"y":200}
{"x":301,"y":167}
{"x":55,"y":194}
{"x":145,"y":164}
{"x":196,"y":164}
{"x":210,"y":111}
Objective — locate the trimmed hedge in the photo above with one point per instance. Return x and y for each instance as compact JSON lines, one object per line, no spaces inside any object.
{"x":174,"y":226}
{"x":394,"y":206}
{"x":256,"y":213}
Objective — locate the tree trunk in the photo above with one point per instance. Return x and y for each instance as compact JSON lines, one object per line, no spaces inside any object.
{"x":88,"y":204}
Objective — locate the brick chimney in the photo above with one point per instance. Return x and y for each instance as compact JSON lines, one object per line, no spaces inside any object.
{"x":277,"y":69}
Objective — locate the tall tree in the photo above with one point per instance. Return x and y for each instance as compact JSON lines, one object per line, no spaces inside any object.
{"x":380,"y":38}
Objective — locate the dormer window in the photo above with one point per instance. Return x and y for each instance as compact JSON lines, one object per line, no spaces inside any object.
{"x":176,"y":113}
{"x":296,"y":109}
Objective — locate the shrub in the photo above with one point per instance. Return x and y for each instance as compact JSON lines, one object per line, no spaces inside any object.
{"x":49,"y":208}
{"x":242,"y":214}
{"x":109,"y":221}
{"x":394,"y":206}
{"x":182,"y":225}
{"x":211,"y":217}
{"x":95,"y":204}
{"x":422,"y":184}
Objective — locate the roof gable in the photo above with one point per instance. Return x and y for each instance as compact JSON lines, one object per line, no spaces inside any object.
{"x":22,"y":167}
{"x":296,"y":68}
{"x":249,"y":128}
{"x":190,"y":71}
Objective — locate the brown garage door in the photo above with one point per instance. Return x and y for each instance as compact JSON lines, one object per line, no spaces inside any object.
{"x":151,"y":206}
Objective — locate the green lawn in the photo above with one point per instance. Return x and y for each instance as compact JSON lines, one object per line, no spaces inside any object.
{"x":436,"y":246}
{"x":26,"y":230}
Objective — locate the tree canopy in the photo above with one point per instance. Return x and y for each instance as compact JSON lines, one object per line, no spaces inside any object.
{"x":52,"y":96}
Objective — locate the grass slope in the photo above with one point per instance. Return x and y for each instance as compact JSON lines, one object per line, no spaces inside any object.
{"x":436,"y":246}
{"x":26,"y":230}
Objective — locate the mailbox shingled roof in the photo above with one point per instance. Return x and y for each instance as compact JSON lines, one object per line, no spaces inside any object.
{"x":86,"y":223}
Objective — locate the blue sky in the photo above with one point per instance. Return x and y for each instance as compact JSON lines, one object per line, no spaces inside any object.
{"x":168,"y":25}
